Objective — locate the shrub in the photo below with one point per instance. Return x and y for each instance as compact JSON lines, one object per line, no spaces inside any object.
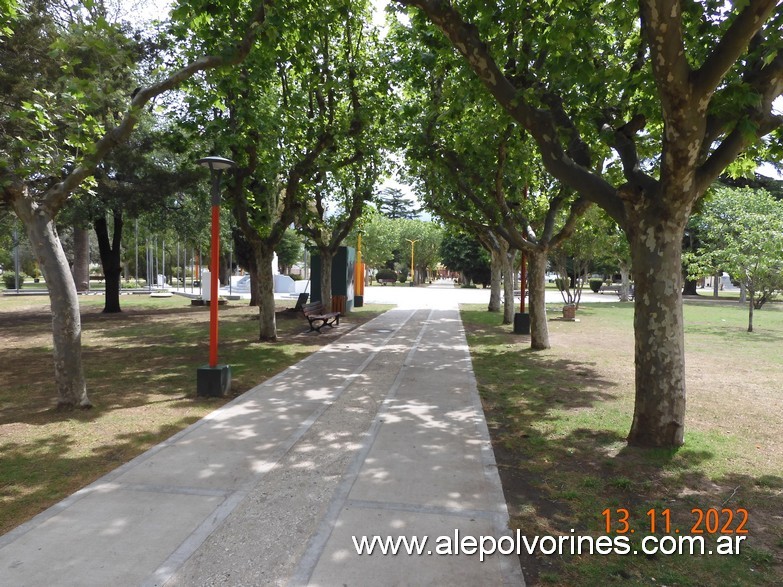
{"x":9,"y":278}
{"x":403,"y":277}
{"x":386,"y":274}
{"x":595,"y":284}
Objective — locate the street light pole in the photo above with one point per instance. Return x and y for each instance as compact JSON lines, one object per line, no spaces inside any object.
{"x":413,"y":267}
{"x":214,"y":379}
{"x":358,"y":298}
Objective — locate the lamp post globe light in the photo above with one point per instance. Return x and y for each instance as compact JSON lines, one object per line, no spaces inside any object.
{"x":213,"y":379}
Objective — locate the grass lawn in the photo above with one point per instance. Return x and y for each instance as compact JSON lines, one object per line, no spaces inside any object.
{"x":558,"y":420}
{"x":141,"y":376}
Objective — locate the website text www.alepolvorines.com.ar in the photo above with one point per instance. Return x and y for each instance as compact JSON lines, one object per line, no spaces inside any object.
{"x":516,"y":544}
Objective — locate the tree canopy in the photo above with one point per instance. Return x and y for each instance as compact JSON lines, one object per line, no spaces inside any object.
{"x":637,"y":107}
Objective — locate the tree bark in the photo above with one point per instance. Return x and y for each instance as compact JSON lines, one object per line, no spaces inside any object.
{"x":326,"y":277}
{"x":225,"y":268}
{"x":267,"y":327}
{"x":536,"y":271}
{"x":110,"y":250}
{"x":508,"y":286}
{"x":690,"y":288}
{"x":625,"y":282}
{"x":495,"y":279}
{"x":81,"y":258}
{"x":252,"y":269}
{"x":66,"y":319}
{"x":751,"y":305}
{"x":659,"y":414}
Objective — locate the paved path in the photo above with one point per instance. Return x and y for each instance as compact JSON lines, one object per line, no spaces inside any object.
{"x":380,"y":433}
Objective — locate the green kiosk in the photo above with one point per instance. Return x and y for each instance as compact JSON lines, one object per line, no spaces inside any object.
{"x":342,"y":279}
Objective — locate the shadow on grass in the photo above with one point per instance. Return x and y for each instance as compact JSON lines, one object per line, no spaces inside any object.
{"x":37,"y":474}
{"x":140,"y":366}
{"x":737,"y":335}
{"x":558,"y":429}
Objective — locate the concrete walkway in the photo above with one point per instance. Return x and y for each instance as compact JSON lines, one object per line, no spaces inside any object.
{"x":380,"y":433}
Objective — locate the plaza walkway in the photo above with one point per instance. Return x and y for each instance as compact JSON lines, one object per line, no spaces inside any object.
{"x":380,"y":433}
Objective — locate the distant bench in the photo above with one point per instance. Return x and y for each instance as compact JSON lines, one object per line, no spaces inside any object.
{"x":318,"y":318}
{"x":517,"y":295}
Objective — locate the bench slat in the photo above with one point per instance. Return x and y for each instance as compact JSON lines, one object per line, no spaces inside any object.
{"x":314,"y":313}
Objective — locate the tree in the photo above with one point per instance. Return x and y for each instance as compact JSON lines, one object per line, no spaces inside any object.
{"x":393,"y":203}
{"x":461,"y":252}
{"x":729,"y":227}
{"x":679,"y":91}
{"x":427,"y":236}
{"x":289,"y":251}
{"x":492,"y":187}
{"x":303,"y":117}
{"x":347,"y":194}
{"x":58,"y":139}
{"x":577,"y":257}
{"x":152,"y":176}
{"x":380,"y":239}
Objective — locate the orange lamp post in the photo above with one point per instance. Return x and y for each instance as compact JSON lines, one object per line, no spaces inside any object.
{"x":358,"y":277}
{"x":214,"y":379}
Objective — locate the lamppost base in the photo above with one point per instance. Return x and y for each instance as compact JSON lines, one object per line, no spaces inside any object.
{"x":521,"y":323}
{"x":213,"y":381}
{"x":358,"y":301}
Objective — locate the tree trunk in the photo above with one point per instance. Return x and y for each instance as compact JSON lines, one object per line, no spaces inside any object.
{"x":743,"y":293}
{"x":659,"y":410}
{"x":625,"y":282}
{"x":254,"y":288}
{"x":81,"y":258}
{"x":267,"y":329}
{"x":690,"y":288}
{"x":716,"y":284}
{"x":326,"y":277}
{"x":508,"y":286}
{"x":536,"y":275}
{"x":66,"y":320}
{"x":495,"y":279}
{"x":225,"y":268}
{"x":751,"y":297}
{"x":111,"y":261}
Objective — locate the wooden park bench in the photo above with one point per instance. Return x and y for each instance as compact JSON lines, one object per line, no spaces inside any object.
{"x":318,"y":318}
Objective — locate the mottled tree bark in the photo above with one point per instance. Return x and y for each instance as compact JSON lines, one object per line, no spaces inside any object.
{"x":326,"y":277}
{"x":66,"y":319}
{"x":625,"y":282}
{"x":267,"y":329}
{"x":508,"y":286}
{"x":81,"y":258}
{"x":659,"y":413}
{"x":495,"y":280}
{"x":536,"y":271}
